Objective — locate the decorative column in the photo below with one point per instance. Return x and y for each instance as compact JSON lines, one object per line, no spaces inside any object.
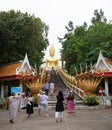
{"x":20,"y":83}
{"x":2,"y":89}
{"x":106,"y":86}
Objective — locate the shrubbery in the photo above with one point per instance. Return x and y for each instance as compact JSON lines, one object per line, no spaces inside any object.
{"x":91,"y":100}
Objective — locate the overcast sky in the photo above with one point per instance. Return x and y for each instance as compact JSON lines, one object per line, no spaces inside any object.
{"x":57,"y":13}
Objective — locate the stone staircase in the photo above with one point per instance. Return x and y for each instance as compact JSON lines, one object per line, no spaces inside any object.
{"x":59,"y":86}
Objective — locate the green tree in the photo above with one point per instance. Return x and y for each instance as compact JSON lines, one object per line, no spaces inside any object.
{"x":98,"y":17}
{"x":22,"y":33}
{"x":82,"y":45}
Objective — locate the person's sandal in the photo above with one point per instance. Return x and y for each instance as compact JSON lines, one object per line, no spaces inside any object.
{"x":56,"y":121}
{"x":11,"y":121}
{"x":60,"y":120}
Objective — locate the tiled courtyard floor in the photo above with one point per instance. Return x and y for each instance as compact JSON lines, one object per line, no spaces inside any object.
{"x":84,"y":119}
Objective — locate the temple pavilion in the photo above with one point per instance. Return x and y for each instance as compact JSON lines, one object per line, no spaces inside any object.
{"x":104,"y":67}
{"x":11,"y":75}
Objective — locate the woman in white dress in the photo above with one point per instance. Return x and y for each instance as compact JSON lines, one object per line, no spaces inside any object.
{"x":44,"y":104}
{"x":14,"y":106}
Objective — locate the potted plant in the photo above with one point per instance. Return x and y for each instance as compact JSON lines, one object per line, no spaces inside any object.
{"x":91,"y":100}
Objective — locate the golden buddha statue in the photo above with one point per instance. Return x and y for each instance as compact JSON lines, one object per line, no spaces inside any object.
{"x":52,"y":62}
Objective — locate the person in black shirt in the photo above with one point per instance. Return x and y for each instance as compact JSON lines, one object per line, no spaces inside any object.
{"x":59,"y":107}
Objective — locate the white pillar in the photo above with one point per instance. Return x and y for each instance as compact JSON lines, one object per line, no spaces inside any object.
{"x":20,"y":84}
{"x":106,"y":87}
{"x":2,"y":90}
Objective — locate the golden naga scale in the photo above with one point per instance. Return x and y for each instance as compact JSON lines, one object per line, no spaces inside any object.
{"x":38,"y":82}
{"x":87,"y":81}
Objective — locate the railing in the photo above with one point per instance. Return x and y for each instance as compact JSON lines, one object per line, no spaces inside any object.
{"x":70,"y":85}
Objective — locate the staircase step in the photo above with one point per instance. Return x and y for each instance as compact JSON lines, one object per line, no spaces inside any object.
{"x":59,"y":86}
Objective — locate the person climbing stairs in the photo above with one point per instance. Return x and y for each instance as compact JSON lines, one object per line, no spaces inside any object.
{"x":59,"y":86}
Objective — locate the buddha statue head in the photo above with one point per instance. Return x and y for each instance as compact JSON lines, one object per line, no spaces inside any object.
{"x":52,"y":51}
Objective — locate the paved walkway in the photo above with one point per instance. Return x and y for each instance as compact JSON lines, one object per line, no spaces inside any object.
{"x":84,"y":119}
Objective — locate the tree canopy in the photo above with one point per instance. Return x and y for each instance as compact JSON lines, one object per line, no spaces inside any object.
{"x":22,"y":33}
{"x":82,"y":44}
